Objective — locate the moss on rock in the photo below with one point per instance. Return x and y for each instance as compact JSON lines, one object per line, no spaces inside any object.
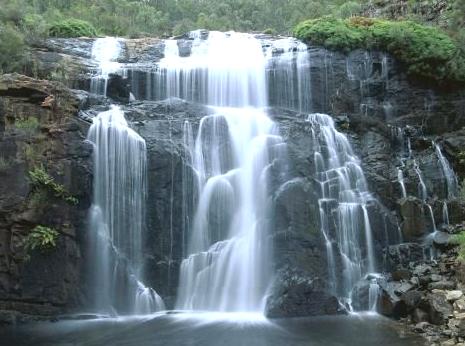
{"x":428,"y":53}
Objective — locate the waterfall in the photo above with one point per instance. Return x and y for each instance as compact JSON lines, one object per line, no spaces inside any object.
{"x":422,"y":191}
{"x":445,"y":213}
{"x":227,"y":264}
{"x":105,"y":51}
{"x":118,"y":216}
{"x":343,"y":189}
{"x":449,"y":174}
{"x":288,"y":77}
{"x":400,"y":179}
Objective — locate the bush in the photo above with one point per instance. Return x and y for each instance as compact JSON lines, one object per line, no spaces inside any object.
{"x":349,"y":9}
{"x":72,"y":28}
{"x":28,"y":125}
{"x":459,"y":240}
{"x":269,"y":31}
{"x":41,"y":238}
{"x":12,"y":49}
{"x":34,"y":27}
{"x":42,"y":180}
{"x":427,"y":52}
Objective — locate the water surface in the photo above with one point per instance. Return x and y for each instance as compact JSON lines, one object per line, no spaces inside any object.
{"x":212,"y":329}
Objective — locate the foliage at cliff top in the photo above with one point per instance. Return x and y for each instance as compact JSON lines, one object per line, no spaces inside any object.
{"x":72,"y":28}
{"x":427,"y":52}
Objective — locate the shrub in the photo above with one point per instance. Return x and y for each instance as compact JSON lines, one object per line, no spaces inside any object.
{"x":459,"y":240}
{"x":41,"y":238}
{"x":41,"y":179}
{"x":4,"y":163}
{"x":34,"y":27}
{"x":28,"y":125}
{"x":349,"y":9}
{"x":12,"y":49}
{"x":427,"y":52}
{"x":72,"y":28}
{"x":269,"y":31}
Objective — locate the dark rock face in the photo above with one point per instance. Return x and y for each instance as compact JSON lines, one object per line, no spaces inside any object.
{"x":40,"y":129}
{"x":296,"y":295}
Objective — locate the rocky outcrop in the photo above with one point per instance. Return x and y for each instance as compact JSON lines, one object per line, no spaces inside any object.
{"x":294,"y":295}
{"x":39,"y":128}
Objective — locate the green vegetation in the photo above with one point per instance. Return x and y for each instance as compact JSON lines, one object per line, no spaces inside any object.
{"x":459,"y":240}
{"x":41,"y":238}
{"x":29,"y":125}
{"x":427,"y":52}
{"x":42,"y":180}
{"x":4,"y":163}
{"x":72,"y":28}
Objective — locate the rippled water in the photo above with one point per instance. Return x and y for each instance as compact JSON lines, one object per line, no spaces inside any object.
{"x":212,"y":329}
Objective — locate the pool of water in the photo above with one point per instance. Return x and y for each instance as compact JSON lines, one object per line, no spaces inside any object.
{"x":211,"y":329}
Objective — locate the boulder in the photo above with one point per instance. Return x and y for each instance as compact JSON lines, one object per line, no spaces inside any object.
{"x":437,"y":307}
{"x":295,"y":295}
{"x":414,"y":223}
{"x":452,"y":296}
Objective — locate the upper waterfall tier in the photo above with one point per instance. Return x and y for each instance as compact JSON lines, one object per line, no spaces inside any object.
{"x":226,"y":69}
{"x":105,"y":51}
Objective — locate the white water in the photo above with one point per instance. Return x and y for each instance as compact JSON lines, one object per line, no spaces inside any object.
{"x":422,"y":191}
{"x":449,"y":174}
{"x":288,"y":77}
{"x":105,"y":51}
{"x":342,"y":187}
{"x":400,"y":179}
{"x":228,"y":258}
{"x":118,"y":216}
{"x":445,"y":213}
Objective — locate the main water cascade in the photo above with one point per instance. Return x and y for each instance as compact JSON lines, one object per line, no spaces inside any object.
{"x":226,"y":204}
{"x":117,"y":217}
{"x":228,"y":260}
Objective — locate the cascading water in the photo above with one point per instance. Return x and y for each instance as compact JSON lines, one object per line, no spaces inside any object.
{"x":343,"y":189}
{"x":449,"y":174}
{"x":105,"y":51}
{"x":228,"y":260}
{"x":400,"y":178}
{"x":288,"y":77}
{"x":117,"y":215}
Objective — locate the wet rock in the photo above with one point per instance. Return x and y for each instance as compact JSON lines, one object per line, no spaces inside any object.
{"x":401,"y":274}
{"x":441,"y":240}
{"x":421,"y":317}
{"x":296,"y":295}
{"x":118,"y":88}
{"x":413,"y":225}
{"x":400,"y":256}
{"x":437,"y":307}
{"x":452,"y":296}
{"x":390,"y":303}
{"x":421,"y":327}
{"x":443,"y":285}
{"x":459,"y":305}
{"x":412,"y":299}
